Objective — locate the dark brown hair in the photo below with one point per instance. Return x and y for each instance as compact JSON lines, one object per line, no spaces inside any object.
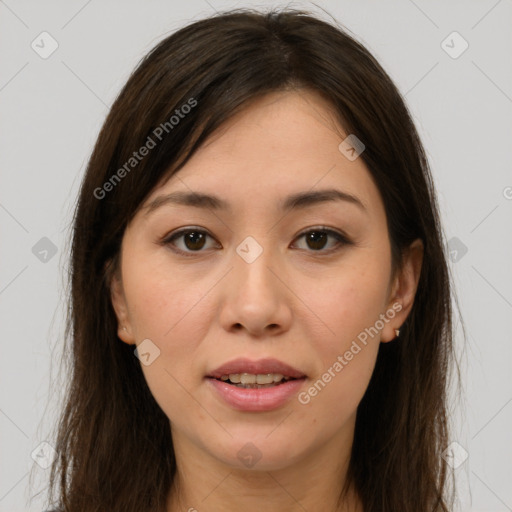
{"x":113,"y":440}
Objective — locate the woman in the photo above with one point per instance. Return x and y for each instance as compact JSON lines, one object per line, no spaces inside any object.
{"x":261,"y":308}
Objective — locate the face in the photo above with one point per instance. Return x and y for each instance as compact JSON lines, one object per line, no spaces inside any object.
{"x":288,"y":261}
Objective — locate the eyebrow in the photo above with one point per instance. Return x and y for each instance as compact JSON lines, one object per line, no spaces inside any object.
{"x":294,"y":201}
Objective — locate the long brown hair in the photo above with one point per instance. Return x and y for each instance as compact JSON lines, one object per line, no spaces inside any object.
{"x":114,"y":444}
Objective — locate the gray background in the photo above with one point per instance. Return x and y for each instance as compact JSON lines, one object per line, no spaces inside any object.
{"x":50,"y":114}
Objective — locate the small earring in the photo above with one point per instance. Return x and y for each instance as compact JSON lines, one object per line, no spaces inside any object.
{"x":124,"y":329}
{"x":397,"y":332}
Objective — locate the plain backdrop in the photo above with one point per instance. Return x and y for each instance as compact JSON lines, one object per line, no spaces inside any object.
{"x":52,"y":107}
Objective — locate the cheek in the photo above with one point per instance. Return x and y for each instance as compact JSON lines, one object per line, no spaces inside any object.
{"x":349,"y":304}
{"x":350,"y":300}
{"x":172,"y":312}
{"x":164,"y":302}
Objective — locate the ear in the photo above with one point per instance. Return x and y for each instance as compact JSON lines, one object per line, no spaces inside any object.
{"x":117,"y":296}
{"x":403,"y":289}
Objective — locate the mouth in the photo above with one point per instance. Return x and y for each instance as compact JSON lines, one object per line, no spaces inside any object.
{"x":260,"y":372}
{"x":256,"y":386}
{"x":255,"y":381}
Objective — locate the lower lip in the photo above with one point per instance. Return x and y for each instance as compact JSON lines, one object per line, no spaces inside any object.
{"x":256,"y":400}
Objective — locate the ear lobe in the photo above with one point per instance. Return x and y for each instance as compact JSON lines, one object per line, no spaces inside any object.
{"x":404,"y":289}
{"x":118,"y":299}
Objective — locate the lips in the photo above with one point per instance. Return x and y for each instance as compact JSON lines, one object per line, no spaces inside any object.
{"x":262,"y":366}
{"x":233,"y":383}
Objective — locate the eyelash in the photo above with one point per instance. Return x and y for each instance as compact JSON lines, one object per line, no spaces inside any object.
{"x":342,"y":240}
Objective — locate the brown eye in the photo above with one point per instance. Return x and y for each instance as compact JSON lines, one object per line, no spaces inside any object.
{"x":316,"y":239}
{"x":188,"y":241}
{"x":322,"y":240}
{"x":194,"y":240}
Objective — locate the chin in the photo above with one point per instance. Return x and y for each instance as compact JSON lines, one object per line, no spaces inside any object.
{"x":259,"y":452}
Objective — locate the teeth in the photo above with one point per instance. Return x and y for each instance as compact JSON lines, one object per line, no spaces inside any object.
{"x":265,"y":379}
{"x":249,"y":378}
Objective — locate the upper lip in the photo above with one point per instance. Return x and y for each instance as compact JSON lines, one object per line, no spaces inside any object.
{"x":261,"y":366}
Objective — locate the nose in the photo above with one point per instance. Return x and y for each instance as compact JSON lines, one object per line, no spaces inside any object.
{"x":255,"y":298}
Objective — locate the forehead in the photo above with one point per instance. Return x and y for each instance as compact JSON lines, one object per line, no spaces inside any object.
{"x":281,"y":143}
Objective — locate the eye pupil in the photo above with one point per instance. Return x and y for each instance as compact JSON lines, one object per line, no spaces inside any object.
{"x":316,"y":239}
{"x":194,"y":240}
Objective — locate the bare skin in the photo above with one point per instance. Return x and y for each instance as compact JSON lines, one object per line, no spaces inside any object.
{"x":299,"y":301}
